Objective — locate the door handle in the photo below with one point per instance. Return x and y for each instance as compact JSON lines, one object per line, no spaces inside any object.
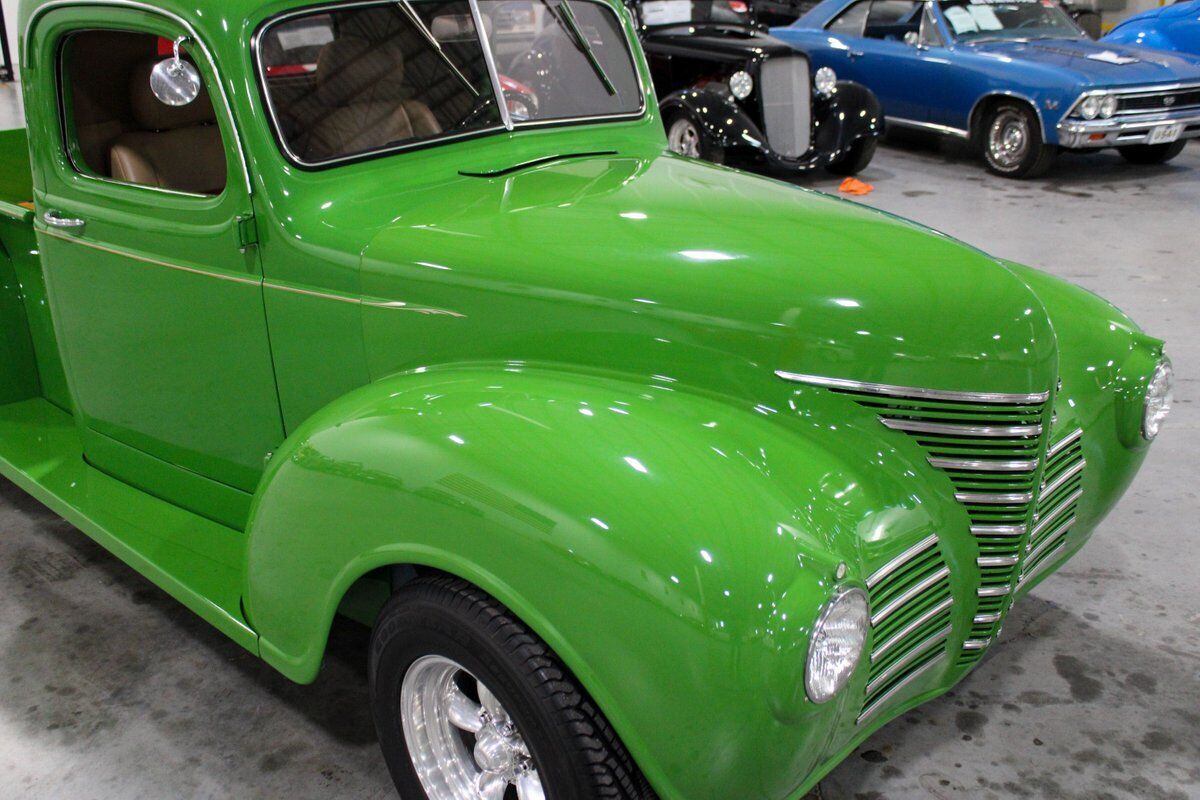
{"x":855,"y":54}
{"x":55,"y":219}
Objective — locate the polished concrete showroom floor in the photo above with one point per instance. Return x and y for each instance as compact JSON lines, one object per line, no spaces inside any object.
{"x":109,"y":689}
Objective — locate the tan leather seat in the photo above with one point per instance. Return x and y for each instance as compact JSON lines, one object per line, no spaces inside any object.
{"x":179,"y":147}
{"x":364,"y":101}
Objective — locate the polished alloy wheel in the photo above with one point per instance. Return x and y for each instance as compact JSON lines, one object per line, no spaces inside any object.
{"x":1009,"y":139}
{"x":683,"y":138}
{"x":464,"y":745}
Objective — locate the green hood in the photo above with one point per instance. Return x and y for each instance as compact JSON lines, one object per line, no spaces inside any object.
{"x":665,"y":266}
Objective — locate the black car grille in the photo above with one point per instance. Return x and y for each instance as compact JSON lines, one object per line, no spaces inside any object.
{"x":1159,"y":101}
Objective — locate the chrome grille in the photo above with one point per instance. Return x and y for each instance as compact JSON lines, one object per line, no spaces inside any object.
{"x":1158,"y":101}
{"x":1060,"y":492}
{"x":787,"y":105}
{"x":910,"y":622}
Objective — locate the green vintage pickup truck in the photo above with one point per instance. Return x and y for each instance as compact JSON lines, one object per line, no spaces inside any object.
{"x":653,"y":478}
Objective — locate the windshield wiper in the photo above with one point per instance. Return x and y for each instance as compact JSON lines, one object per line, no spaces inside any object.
{"x":572,"y":25}
{"x":435,"y":44}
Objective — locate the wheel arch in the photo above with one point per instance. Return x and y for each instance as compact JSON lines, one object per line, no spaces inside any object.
{"x":984,"y":105}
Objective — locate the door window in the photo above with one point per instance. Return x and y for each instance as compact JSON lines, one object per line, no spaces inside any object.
{"x":117,"y":129}
{"x":892,"y":19}
{"x":851,"y":21}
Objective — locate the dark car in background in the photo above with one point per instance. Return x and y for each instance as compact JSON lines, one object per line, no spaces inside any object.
{"x":731,"y":93}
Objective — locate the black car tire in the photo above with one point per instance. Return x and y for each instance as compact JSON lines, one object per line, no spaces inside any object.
{"x":1012,"y":142}
{"x":683,"y":129}
{"x":1152,"y":153}
{"x":855,"y":158}
{"x":572,"y":747}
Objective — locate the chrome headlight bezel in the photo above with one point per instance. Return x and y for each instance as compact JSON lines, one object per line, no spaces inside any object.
{"x":848,"y":606}
{"x":1108,"y":106}
{"x":1158,"y":398}
{"x":825,"y":81}
{"x":1089,"y":107}
{"x":741,"y":84}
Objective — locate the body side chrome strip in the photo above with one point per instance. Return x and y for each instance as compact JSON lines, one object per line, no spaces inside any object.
{"x":914,"y":590}
{"x":918,"y":650}
{"x":902,"y":559}
{"x":983,"y":465}
{"x":1057,"y":483}
{"x":913,"y":392}
{"x":881,"y":650}
{"x":998,"y":530}
{"x":994,"y":499}
{"x":928,"y":126}
{"x":870,"y":710}
{"x":224,"y":276}
{"x":951,"y":429}
{"x":1064,"y":443}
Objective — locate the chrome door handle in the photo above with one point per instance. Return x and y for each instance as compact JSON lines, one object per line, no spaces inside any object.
{"x":55,"y":219}
{"x":855,"y":54}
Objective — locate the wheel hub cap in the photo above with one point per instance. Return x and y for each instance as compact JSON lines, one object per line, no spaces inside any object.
{"x":684,"y":139}
{"x":1008,"y":139}
{"x":463,"y":743}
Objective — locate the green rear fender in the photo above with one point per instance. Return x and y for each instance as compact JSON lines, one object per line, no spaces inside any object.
{"x":673,"y":548}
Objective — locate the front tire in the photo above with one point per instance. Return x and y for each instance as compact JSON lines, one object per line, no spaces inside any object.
{"x":855,"y":158}
{"x":468,"y":702}
{"x":1148,"y":154}
{"x":685,"y":136}
{"x":1013,"y":146}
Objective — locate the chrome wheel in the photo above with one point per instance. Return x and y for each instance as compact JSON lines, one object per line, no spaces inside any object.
{"x":464,"y":745}
{"x":683,"y":138}
{"x":1008,"y":139}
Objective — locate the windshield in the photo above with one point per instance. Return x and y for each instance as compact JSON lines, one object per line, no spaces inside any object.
{"x":980,"y":20}
{"x":350,"y":82}
{"x":684,"y":12}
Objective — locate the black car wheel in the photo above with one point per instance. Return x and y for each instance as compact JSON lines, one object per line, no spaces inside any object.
{"x":1012,"y":142}
{"x":855,"y":158}
{"x":685,"y":136}
{"x":1151,"y":153}
{"x":468,"y":702}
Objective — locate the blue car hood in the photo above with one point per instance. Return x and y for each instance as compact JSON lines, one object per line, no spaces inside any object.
{"x":1092,"y":64}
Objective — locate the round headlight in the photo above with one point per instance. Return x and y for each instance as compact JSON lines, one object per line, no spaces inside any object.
{"x":1090,"y":107}
{"x":741,"y":84}
{"x":836,"y":644}
{"x":825,"y":81}
{"x":1108,"y":106}
{"x":1159,"y":395}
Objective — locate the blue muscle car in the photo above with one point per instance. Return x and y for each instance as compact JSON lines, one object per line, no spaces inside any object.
{"x":1017,"y":78}
{"x":1174,"y":27}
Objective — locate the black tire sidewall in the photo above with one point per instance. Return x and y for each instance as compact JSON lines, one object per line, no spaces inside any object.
{"x":1038,"y":153}
{"x":709,"y":150}
{"x":856,"y":158}
{"x":410,"y":630}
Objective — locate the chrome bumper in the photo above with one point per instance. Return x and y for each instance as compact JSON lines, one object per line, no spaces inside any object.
{"x":1126,"y":129}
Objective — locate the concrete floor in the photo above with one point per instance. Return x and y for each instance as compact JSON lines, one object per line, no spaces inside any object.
{"x":109,"y":689}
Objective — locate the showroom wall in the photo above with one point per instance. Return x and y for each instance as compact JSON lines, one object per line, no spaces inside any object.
{"x":10,"y":20}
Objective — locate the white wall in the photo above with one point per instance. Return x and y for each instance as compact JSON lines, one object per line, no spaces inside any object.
{"x":10,"y":20}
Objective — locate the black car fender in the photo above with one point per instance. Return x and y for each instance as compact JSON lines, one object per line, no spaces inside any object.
{"x":851,"y":112}
{"x":723,"y":122}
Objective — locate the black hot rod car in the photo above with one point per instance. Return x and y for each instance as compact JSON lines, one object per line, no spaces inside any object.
{"x":732,"y":93}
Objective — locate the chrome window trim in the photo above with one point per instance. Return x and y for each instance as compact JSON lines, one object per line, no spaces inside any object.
{"x":952,"y":429}
{"x":913,"y":591}
{"x":919,"y":649}
{"x":983,"y":465}
{"x":913,"y":392}
{"x":902,"y":559}
{"x":899,"y":636}
{"x":871,"y":710}
{"x":40,"y":11}
{"x":510,"y":127}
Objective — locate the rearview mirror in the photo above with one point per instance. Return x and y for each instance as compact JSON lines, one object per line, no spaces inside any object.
{"x":912,"y":39}
{"x":173,"y":81}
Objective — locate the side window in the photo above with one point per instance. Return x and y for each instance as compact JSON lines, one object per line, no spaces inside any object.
{"x":117,"y":129}
{"x":931,"y":35}
{"x":892,"y":19}
{"x":851,"y":21}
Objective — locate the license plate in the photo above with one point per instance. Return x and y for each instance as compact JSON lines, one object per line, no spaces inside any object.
{"x":1164,"y":134}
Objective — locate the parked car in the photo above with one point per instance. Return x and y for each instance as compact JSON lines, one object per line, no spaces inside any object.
{"x":730,"y":92}
{"x":1175,"y":27}
{"x":652,"y":478}
{"x":1017,"y":78}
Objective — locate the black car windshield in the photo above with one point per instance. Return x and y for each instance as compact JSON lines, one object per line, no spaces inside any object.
{"x":657,"y":13}
{"x":351,"y":81}
{"x":980,"y":20}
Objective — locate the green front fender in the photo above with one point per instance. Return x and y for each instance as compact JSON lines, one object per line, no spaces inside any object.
{"x":674,"y":549}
